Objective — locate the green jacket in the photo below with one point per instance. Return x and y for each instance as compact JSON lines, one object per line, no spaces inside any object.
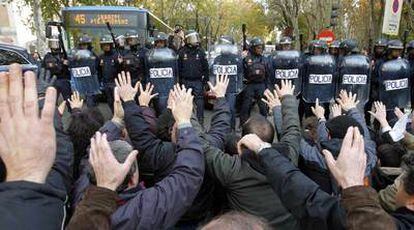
{"x":246,"y":188}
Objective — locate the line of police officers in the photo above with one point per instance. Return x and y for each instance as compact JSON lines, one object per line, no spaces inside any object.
{"x":320,"y":73}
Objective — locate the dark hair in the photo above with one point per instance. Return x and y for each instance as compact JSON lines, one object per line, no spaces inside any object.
{"x":408,"y":182}
{"x":83,"y":125}
{"x":259,"y":125}
{"x":164,"y":125}
{"x":390,"y":155}
{"x":339,"y":125}
{"x":230,"y":144}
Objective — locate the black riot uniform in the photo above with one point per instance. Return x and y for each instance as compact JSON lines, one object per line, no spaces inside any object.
{"x":257,"y":74}
{"x":108,"y":68}
{"x":134,"y":58}
{"x":193,"y":69}
{"x":394,"y":79}
{"x":377,"y":60}
{"x":55,"y":66}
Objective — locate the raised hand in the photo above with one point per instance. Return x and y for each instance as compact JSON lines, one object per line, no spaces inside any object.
{"x":220,"y":88}
{"x":318,"y":110}
{"x":61,"y":108}
{"x":182,"y":105}
{"x":286,"y":88}
{"x":272,"y":99}
{"x":75,"y":101}
{"x":398,"y":112}
{"x":336,"y":110}
{"x":380,"y":113}
{"x":27,"y":141}
{"x":108,"y":171}
{"x":349,"y":168}
{"x":251,"y":142}
{"x":118,"y":109}
{"x":146,"y":95}
{"x":126,"y":91}
{"x":347,"y":100}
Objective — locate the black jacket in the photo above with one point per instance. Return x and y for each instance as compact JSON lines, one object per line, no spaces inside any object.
{"x":300,"y":195}
{"x":158,"y":156}
{"x":192,"y":64}
{"x":27,"y":205}
{"x":404,"y":218}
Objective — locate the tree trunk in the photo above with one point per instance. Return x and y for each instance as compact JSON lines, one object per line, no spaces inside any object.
{"x":38,"y":26}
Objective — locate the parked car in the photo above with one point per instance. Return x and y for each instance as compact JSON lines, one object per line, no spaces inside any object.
{"x":10,"y":54}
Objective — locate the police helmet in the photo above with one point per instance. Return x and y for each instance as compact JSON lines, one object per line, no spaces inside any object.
{"x":53,"y":42}
{"x":132,"y":37}
{"x":395,"y":44}
{"x":226,"y":40}
{"x":410,"y":45}
{"x":120,"y":40}
{"x":192,"y":38}
{"x":286,"y":40}
{"x":335,"y":44}
{"x":319,"y":44}
{"x":161,"y":36}
{"x":106,"y":39}
{"x":256,"y":41}
{"x":84,"y":39}
{"x":382,"y":42}
{"x":349,"y":46}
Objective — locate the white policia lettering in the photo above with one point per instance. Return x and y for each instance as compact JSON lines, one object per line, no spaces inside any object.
{"x":354,"y":79}
{"x":81,"y":72}
{"x":225,"y":69}
{"x":161,"y":73}
{"x":320,"y":79}
{"x":287,"y":73}
{"x":396,"y":84}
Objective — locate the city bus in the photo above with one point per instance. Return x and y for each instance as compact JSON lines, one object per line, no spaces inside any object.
{"x":92,"y":20}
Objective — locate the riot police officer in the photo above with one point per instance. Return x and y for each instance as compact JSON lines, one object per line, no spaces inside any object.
{"x":162,"y":68}
{"x":410,"y":58}
{"x":319,"y":78}
{"x":377,"y":60}
{"x":194,"y":70}
{"x":318,"y":47}
{"x":56,"y":66}
{"x":354,"y":73}
{"x":108,"y":66}
{"x":134,"y":59}
{"x":334,"y":49}
{"x":120,"y":41}
{"x":394,"y":79}
{"x":395,"y":49}
{"x":285,"y":43}
{"x":257,"y":73}
{"x":84,"y":70}
{"x":229,"y":62}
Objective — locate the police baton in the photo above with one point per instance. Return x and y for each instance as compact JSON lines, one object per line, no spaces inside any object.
{"x":108,"y":25}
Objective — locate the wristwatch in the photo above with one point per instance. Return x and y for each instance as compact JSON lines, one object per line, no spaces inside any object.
{"x":262,"y":146}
